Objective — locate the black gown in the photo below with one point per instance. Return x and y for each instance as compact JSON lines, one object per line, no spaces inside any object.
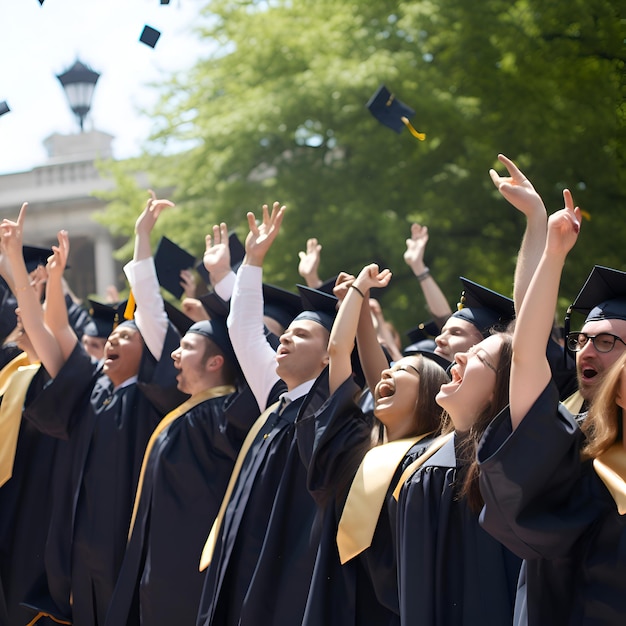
{"x":263,"y":559}
{"x":188,"y":469}
{"x":25,"y":509}
{"x":363,"y":591}
{"x":450,"y":571}
{"x":555,"y":512}
{"x":106,"y":433}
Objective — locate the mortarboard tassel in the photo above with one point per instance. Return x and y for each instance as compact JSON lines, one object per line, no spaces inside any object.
{"x":129,"y":311}
{"x":415,"y":133}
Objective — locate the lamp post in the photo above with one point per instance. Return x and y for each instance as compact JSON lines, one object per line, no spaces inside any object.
{"x":78,"y":82}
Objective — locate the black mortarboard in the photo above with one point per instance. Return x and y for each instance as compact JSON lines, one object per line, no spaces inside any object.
{"x":214,"y":305}
{"x":34,"y":256}
{"x":237,"y":252}
{"x":281,"y":305}
{"x":216,"y":331}
{"x":103,"y":318}
{"x":483,"y":307}
{"x":165,"y":1}
{"x":603,"y":296}
{"x":179,"y":320}
{"x":149,"y":36}
{"x":169,"y":261}
{"x":4,"y":107}
{"x":317,"y":305}
{"x":391,"y":112}
{"x":423,"y":331}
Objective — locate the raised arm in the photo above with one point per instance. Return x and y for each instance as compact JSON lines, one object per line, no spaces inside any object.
{"x":31,"y":312}
{"x":309,"y":263}
{"x":530,"y":370}
{"x":150,"y":315}
{"x":414,"y":258}
{"x":371,"y":355}
{"x":217,"y":261}
{"x":245,"y":321}
{"x":518,"y":190}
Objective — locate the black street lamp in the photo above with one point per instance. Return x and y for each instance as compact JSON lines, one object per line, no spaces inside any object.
{"x":79,"y":82}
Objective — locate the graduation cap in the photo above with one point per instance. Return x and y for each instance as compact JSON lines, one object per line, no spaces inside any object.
{"x":237,"y":252}
{"x":391,"y":112}
{"x":423,"y":331}
{"x":214,"y":305}
{"x":483,"y":307}
{"x":165,"y":1}
{"x":149,"y":36}
{"x":4,"y":107}
{"x":34,"y":256}
{"x":603,"y":296}
{"x":104,"y":318}
{"x":318,"y":306}
{"x":179,"y":320}
{"x":281,"y":305}
{"x":169,"y":261}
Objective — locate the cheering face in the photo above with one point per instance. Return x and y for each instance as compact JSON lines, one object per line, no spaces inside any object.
{"x":122,"y":354}
{"x":94,"y":346}
{"x":473,"y":383}
{"x":457,"y":335}
{"x":590,"y":363}
{"x":302,"y":353}
{"x":190,"y":359}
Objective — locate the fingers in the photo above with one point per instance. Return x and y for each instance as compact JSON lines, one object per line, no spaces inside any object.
{"x":22,"y":216}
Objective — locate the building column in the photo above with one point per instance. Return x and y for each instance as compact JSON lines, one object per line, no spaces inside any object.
{"x":104,"y":263}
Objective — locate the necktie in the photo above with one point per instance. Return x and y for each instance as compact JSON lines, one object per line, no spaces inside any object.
{"x":367,"y":495}
{"x":411,"y":469}
{"x":172,"y":416}
{"x":11,"y":416}
{"x":211,"y":542}
{"x":611,"y":468}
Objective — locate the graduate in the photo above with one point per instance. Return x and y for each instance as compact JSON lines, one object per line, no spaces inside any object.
{"x":185,"y":470}
{"x":261,"y":549}
{"x":450,"y":571}
{"x":106,"y":416}
{"x":555,"y":493}
{"x":356,"y":583}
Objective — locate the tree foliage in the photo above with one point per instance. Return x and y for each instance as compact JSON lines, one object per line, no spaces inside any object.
{"x":277,"y":112}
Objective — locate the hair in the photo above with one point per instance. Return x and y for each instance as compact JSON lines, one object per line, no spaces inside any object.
{"x":467,"y":450}
{"x":230,"y":373}
{"x":603,"y":425}
{"x":427,"y":412}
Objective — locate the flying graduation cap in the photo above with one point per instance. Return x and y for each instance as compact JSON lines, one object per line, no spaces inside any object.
{"x":391,"y":112}
{"x":149,"y":36}
{"x":4,"y":107}
{"x":170,"y":260}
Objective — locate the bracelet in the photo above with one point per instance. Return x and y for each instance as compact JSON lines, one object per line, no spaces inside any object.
{"x":424,"y":275}
{"x":353,"y":286}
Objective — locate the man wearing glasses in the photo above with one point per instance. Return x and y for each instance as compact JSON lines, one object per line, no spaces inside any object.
{"x":602,"y":339}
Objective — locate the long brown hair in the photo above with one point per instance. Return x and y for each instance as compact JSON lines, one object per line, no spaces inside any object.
{"x":427,"y":412}
{"x":604,"y":423}
{"x":467,"y":450}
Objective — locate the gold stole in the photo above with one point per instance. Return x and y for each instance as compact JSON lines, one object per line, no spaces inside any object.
{"x":180,"y":410}
{"x":367,"y":495}
{"x":15,"y":378}
{"x":611,"y":468}
{"x":411,"y":469}
{"x":574,"y":403}
{"x":44,"y":614}
{"x":211,"y":542}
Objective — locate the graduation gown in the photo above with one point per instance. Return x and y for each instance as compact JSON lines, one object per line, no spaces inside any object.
{"x":186,"y":475}
{"x":555,"y":512}
{"x":106,"y":431}
{"x":25,"y":509}
{"x":263,"y":559}
{"x":364,"y":590}
{"x":451,"y":572}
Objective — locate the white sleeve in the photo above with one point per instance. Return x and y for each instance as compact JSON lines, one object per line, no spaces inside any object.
{"x":256,"y":357}
{"x":150,"y":315}
{"x":225,"y":287}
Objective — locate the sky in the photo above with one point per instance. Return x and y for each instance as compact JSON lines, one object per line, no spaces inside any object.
{"x":39,"y":42}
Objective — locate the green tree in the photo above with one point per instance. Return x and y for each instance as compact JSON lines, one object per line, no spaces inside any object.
{"x":277,"y":112}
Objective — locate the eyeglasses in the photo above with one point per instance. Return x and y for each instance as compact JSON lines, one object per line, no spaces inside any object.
{"x":604,"y":342}
{"x":473,"y":352}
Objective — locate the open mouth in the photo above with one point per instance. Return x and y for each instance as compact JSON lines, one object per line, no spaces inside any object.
{"x":589,"y":373}
{"x":384,"y":390}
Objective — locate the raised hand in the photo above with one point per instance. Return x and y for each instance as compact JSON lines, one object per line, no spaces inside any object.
{"x":58,"y":260}
{"x":12,"y":234}
{"x":415,"y":248}
{"x":309,"y":263}
{"x":516,"y":188}
{"x":149,"y":216}
{"x":261,"y":236}
{"x":216,"y":258}
{"x":563,"y":227}
{"x":342,"y":284}
{"x":188,"y":283}
{"x":370,"y":276}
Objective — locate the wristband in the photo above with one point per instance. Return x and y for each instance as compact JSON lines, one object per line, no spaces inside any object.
{"x":424,"y":275}
{"x":353,"y":286}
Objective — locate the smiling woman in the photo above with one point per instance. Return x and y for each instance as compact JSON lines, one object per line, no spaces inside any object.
{"x":43,"y":41}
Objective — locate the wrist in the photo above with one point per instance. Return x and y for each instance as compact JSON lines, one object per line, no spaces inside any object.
{"x":423,"y":275}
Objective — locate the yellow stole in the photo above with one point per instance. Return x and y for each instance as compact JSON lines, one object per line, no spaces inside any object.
{"x":367,"y":495}
{"x":611,"y":468}
{"x":44,"y":614}
{"x":411,"y":469}
{"x":574,"y":403}
{"x":15,"y":378}
{"x":181,"y":409}
{"x":211,"y":542}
